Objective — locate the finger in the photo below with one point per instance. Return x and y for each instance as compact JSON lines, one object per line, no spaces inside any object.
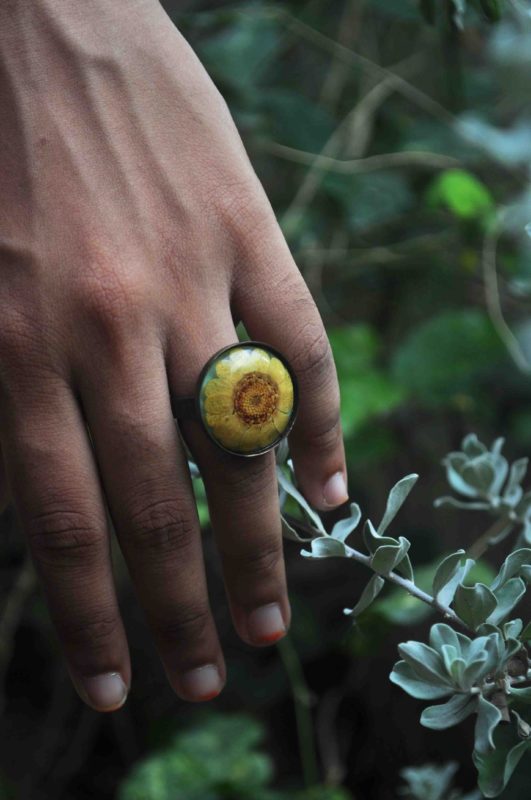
{"x":56,"y":492}
{"x":280,"y":311}
{"x":149,"y":492}
{"x":243,"y":502}
{"x":4,"y":489}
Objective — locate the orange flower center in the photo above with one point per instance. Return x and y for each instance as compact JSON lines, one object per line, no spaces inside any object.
{"x":255,"y":398}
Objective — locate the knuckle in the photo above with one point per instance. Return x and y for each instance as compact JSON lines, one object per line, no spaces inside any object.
{"x":247,"y":480}
{"x":189,"y":621}
{"x":60,"y":536}
{"x":242,"y":209}
{"x":262,"y":561}
{"x":96,"y":633}
{"x":111,"y":300}
{"x":312,"y":354}
{"x":326,"y":435}
{"x":161,"y":527}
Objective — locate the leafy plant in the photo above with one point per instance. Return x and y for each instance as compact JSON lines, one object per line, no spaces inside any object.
{"x":477,"y":659}
{"x":433,"y":782}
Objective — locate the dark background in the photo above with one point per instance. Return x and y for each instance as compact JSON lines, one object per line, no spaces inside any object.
{"x":389,"y":234}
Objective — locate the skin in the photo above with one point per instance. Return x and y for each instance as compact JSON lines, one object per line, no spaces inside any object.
{"x":134,"y":235}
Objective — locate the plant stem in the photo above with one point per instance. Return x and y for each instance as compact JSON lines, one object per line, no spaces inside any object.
{"x":301,"y":701}
{"x":410,"y":587}
{"x":481,"y":544}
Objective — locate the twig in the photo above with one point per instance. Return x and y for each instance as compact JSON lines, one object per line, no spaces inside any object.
{"x":337,"y":75}
{"x":492,"y":297}
{"x":303,"y":717}
{"x":411,"y":588}
{"x":482,"y":544}
{"x":407,"y":158}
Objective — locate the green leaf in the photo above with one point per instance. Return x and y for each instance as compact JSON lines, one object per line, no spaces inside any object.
{"x":404,"y":676}
{"x":512,"y":566}
{"x":473,"y":604}
{"x":344,"y":527}
{"x":425,"y":661}
{"x":287,"y":485}
{"x":513,"y":629}
{"x":467,"y":349}
{"x":442,"y":634}
{"x":369,"y":594}
{"x":325,"y":547}
{"x":446,"y":715}
{"x":396,"y":499}
{"x":447,"y":593}
{"x":507,"y":596}
{"x":446,"y":570}
{"x":386,"y":557}
{"x":488,"y":718}
{"x":292,"y":119}
{"x":525,"y":636}
{"x":461,"y":193}
{"x":496,"y":767}
{"x":523,"y":695}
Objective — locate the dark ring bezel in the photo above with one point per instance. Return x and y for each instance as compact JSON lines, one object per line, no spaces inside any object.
{"x":287,"y":365}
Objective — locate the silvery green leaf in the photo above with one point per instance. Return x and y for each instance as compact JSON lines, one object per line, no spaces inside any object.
{"x":325,"y":547}
{"x":524,"y":505}
{"x":373,"y":540}
{"x":471,"y":446}
{"x":524,"y":728}
{"x":512,"y":646}
{"x":516,"y":476}
{"x":442,"y":634}
{"x":369,"y":594}
{"x":430,"y":782}
{"x":512,"y":566}
{"x":404,"y":566}
{"x":474,"y":671}
{"x":501,"y":469}
{"x":446,"y":571}
{"x":386,"y":557}
{"x":513,"y":628}
{"x":526,"y":572}
{"x":425,"y":661}
{"x":448,"y":714}
{"x":282,"y":452}
{"x":455,"y":479}
{"x":488,"y":717}
{"x":450,"y":653}
{"x":507,"y":596}
{"x":447,"y":593}
{"x":496,"y":767}
{"x":497,"y":445}
{"x":194,"y":470}
{"x":462,"y":504}
{"x":288,"y":487}
{"x":289,"y":532}
{"x":457,"y":671}
{"x":344,"y":527}
{"x":396,"y":499}
{"x":405,"y":677}
{"x":473,"y":604}
{"x":526,"y":531}
{"x":480,"y":474}
{"x":523,"y":694}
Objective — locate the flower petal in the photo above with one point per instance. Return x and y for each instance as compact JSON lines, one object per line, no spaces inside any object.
{"x":219,"y":403}
{"x":285,"y":398}
{"x":280,"y":421}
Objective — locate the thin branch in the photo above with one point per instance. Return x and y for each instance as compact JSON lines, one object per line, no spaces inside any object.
{"x":302,"y":702}
{"x":411,"y":588}
{"x":407,"y":158}
{"x":492,"y":297}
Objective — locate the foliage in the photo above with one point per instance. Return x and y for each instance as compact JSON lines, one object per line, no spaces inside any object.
{"x":433,"y":782}
{"x":220,"y":757}
{"x":485,"y":672}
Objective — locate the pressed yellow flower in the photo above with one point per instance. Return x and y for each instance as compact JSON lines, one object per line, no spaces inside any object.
{"x":247,"y":399}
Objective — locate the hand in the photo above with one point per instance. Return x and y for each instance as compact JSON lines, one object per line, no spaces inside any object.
{"x":133,"y":233}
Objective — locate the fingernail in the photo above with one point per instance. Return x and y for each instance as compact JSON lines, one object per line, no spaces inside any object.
{"x":203,"y":683}
{"x":335,"y":490}
{"x":105,"y":692}
{"x":265,"y":625}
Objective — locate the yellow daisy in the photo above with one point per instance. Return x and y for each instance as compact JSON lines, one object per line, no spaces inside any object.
{"x":247,"y":399}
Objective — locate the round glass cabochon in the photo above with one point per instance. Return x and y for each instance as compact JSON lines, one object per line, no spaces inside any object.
{"x":247,"y":399}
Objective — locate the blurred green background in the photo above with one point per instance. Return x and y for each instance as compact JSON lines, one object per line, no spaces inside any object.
{"x":395,"y":149}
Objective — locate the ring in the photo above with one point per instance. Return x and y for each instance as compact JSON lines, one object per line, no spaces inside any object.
{"x":246,"y":399}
